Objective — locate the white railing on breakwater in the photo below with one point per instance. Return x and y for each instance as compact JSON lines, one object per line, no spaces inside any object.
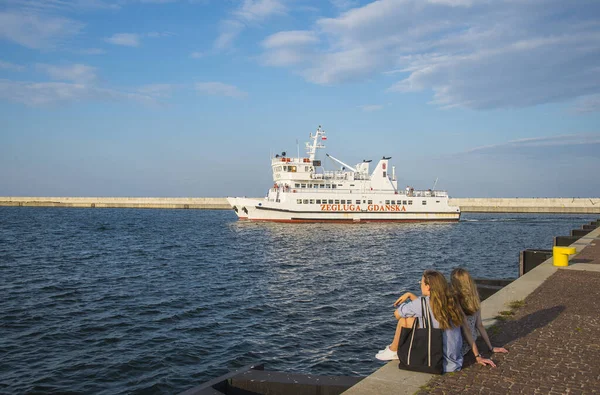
{"x":482,"y":205}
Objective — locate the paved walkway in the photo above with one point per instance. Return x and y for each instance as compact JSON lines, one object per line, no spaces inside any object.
{"x":590,"y":254}
{"x":554,"y":341}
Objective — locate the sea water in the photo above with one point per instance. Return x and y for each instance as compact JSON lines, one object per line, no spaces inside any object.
{"x":157,"y":301}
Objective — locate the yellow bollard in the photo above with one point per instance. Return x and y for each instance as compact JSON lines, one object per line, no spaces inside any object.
{"x":560,"y":255}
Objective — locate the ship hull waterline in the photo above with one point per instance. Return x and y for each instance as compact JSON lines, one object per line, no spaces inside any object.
{"x":258,"y":211}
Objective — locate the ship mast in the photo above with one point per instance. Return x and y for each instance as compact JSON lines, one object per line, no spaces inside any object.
{"x":311,"y":146}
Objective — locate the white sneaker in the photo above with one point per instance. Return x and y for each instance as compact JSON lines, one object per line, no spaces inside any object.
{"x":386,"y":347}
{"x":387,"y":354}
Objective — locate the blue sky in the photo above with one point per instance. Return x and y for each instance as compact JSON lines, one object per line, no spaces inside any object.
{"x":189,"y":98}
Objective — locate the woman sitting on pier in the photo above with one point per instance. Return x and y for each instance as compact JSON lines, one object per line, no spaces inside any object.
{"x":466,"y":292}
{"x":446,"y":315}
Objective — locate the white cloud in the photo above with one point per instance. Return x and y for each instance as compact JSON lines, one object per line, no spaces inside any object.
{"x":38,"y":94}
{"x":371,"y":107}
{"x":92,"y":51}
{"x":159,"y":34}
{"x":197,"y":55}
{"x":289,"y":47}
{"x":470,"y":53}
{"x":79,"y":73}
{"x":134,"y":39}
{"x":588,"y":104}
{"x":259,"y":10}
{"x":344,"y":4}
{"x":229,"y":30}
{"x":125,"y":39}
{"x":547,"y":141}
{"x":220,"y":89}
{"x":290,"y":38}
{"x":157,"y":90}
{"x":61,"y":5}
{"x":35,"y":30}
{"x":248,"y":13}
{"x":11,"y":66}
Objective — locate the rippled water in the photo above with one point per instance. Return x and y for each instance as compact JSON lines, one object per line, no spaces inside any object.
{"x":157,"y":301}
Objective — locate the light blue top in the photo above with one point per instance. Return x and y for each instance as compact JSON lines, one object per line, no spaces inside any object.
{"x":452,"y":338}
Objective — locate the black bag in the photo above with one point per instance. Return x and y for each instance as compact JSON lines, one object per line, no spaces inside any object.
{"x":421,"y":349}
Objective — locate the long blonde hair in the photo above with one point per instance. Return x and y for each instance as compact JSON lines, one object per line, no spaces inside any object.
{"x":443,"y":304}
{"x":466,"y":291}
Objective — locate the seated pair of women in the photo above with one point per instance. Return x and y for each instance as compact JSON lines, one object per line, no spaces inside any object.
{"x":454,"y":308}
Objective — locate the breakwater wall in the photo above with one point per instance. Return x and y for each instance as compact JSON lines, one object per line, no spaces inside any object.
{"x":467,"y":205}
{"x":118,"y":202}
{"x":528,"y":205}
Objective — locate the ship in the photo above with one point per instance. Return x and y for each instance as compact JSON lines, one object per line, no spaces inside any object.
{"x":303,"y":191}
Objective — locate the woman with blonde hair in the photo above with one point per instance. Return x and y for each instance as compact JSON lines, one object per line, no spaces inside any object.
{"x":446,"y":315}
{"x":466,"y":292}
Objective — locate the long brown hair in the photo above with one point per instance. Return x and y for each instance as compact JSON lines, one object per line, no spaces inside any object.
{"x":443,"y":304}
{"x":466,"y":291}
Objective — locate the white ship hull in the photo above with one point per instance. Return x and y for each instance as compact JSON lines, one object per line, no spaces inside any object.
{"x":263,"y":210}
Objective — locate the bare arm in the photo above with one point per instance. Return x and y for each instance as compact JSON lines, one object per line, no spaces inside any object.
{"x":402,"y":299}
{"x":469,"y":338}
{"x":485,"y":336}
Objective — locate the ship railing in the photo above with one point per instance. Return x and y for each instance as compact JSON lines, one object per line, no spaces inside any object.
{"x":366,"y":192}
{"x":335,"y":175}
{"x":428,"y":193}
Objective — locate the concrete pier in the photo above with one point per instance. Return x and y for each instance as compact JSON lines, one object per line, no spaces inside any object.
{"x":467,"y":205}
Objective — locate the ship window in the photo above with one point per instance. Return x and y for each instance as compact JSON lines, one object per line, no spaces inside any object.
{"x":318,"y":201}
{"x":296,"y":185}
{"x":387,"y":202}
{"x":404,"y":202}
{"x":305,"y":201}
{"x":305,"y":168}
{"x":393,"y":202}
{"x":364,"y":201}
{"x":370,"y":202}
{"x":284,"y":168}
{"x":424,"y":202}
{"x":384,"y":174}
{"x":351,"y":185}
{"x":316,"y":185}
{"x":299,"y":201}
{"x":410,"y":202}
{"x":340,"y":185}
{"x":437,"y":201}
{"x":330,"y":201}
{"x":342,"y":202}
{"x":328,"y":186}
{"x":336,"y":201}
{"x":312,"y":201}
{"x":303,"y":186}
{"x":358,"y":202}
{"x":333,"y":186}
{"x":322,"y":186}
{"x":292,"y":169}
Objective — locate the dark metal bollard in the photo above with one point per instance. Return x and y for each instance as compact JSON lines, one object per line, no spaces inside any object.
{"x":530,"y":259}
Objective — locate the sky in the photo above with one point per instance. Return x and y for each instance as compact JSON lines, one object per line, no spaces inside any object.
{"x":191,"y":98}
